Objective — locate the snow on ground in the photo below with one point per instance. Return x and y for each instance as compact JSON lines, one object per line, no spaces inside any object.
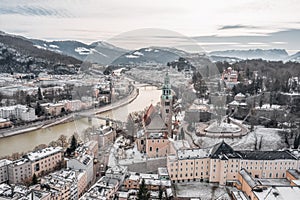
{"x":222,"y":128}
{"x":82,"y":51}
{"x":271,"y":140}
{"x":40,"y":47}
{"x":201,"y":190}
{"x":53,"y":46}
{"x":132,"y":56}
{"x":132,"y":156}
{"x":137,"y":53}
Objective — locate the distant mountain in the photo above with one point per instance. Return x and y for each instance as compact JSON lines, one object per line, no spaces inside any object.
{"x":19,"y":54}
{"x":155,"y":55}
{"x":97,"y":52}
{"x":271,"y":54}
{"x":295,"y":57}
{"x":222,"y":59}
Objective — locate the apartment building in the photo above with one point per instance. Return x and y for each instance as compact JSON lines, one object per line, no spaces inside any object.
{"x":4,"y":170}
{"x":19,"y":170}
{"x":83,"y":162}
{"x":21,"y":112}
{"x":70,"y":183}
{"x":221,"y":164}
{"x":45,"y":160}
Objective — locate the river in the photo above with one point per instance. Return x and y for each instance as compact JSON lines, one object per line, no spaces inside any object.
{"x":27,"y":141}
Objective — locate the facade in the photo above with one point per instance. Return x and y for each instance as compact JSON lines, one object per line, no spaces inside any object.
{"x":83,"y":162}
{"x":152,"y":181}
{"x":104,"y":135}
{"x":18,"y":112}
{"x":45,"y":160}
{"x":53,"y":109}
{"x":221,"y":164}
{"x":4,"y":170}
{"x":4,"y":123}
{"x":19,"y":170}
{"x":72,"y":105}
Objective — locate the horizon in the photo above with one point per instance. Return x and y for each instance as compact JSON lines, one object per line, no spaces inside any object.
{"x":214,"y":25}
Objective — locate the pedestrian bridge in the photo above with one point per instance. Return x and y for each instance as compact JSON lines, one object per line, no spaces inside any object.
{"x":117,"y":123}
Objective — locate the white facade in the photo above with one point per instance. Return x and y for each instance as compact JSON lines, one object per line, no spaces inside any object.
{"x":83,"y":162}
{"x":19,"y":112}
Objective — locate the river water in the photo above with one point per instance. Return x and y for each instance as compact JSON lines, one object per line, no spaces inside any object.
{"x":27,"y":141}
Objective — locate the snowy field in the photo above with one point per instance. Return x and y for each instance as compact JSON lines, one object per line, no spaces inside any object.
{"x":204,"y":191}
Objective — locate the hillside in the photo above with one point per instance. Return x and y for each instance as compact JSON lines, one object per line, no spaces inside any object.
{"x":18,"y":54}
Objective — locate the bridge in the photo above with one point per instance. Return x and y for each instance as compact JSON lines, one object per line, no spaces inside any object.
{"x":118,"y":123}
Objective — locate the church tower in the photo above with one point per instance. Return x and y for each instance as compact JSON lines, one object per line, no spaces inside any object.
{"x":166,"y":103}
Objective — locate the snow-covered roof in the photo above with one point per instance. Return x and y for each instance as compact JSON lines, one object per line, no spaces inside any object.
{"x":43,"y":153}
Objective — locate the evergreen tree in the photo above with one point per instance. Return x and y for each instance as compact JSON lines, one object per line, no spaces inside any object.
{"x":28,"y":99}
{"x":38,"y":109}
{"x":143,"y":193}
{"x":34,"y":180}
{"x":73,"y":143}
{"x":296,"y":141}
{"x":40,"y":96}
{"x":160,"y":193}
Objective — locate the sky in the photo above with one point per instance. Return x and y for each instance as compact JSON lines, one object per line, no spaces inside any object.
{"x":212,"y":24}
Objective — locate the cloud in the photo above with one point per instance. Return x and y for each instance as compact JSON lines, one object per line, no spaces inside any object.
{"x":238,"y":26}
{"x":34,"y":11}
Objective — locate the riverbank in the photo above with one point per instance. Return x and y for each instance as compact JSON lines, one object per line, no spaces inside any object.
{"x":42,"y":125}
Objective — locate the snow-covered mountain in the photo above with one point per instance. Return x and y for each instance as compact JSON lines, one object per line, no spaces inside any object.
{"x":156,"y":55}
{"x":295,"y":57}
{"x":97,"y":52}
{"x":270,"y":54}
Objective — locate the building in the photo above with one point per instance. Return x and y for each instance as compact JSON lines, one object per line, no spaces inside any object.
{"x":83,"y":162}
{"x":167,"y":104}
{"x":4,"y":170}
{"x":70,"y":183}
{"x":221,"y":164}
{"x":105,"y":188}
{"x":72,"y":105}
{"x":154,"y":142}
{"x":261,"y":189}
{"x":53,"y":109}
{"x":230,"y":77}
{"x":45,"y":160}
{"x":5,"y":123}
{"x":104,"y":135}
{"x":152,"y":181}
{"x":19,"y":192}
{"x":19,"y":171}
{"x":21,"y":112}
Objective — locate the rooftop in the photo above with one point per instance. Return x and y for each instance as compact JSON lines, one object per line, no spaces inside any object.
{"x":4,"y":162}
{"x":266,"y":155}
{"x":33,"y":156}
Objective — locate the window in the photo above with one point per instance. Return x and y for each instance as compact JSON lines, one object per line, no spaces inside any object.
{"x":150,"y":149}
{"x":167,"y":103}
{"x":167,"y":110}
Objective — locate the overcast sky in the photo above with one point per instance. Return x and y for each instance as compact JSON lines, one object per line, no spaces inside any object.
{"x":213,"y":24}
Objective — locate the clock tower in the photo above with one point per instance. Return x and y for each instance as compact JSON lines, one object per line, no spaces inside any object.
{"x":166,"y":103}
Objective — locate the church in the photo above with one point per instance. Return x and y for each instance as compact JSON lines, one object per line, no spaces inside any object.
{"x":157,"y":125}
